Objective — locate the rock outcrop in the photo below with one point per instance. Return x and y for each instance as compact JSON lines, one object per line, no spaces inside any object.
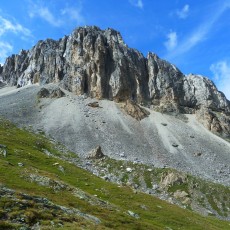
{"x":96,"y":153}
{"x":54,"y":92}
{"x":134,"y":110}
{"x":99,"y":64}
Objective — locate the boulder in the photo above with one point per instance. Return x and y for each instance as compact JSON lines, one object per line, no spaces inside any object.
{"x":43,"y":93}
{"x":180,"y":194}
{"x":133,"y":214}
{"x":3,"y":150}
{"x":172,"y":178}
{"x":94,"y":104}
{"x":96,"y":153}
{"x":134,"y":110}
{"x":54,"y":92}
{"x":129,"y":170}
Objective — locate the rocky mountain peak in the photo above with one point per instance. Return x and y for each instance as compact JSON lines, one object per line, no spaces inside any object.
{"x":99,"y":64}
{"x":205,"y":93}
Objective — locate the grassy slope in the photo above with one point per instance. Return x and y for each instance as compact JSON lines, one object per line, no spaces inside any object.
{"x":28,"y":148}
{"x":202,"y":194}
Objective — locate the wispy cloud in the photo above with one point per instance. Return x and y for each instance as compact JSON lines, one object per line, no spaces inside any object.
{"x":171,"y":43}
{"x":183,"y":13}
{"x":45,"y":14}
{"x":56,"y":18}
{"x":221,"y":72}
{"x":12,"y":26}
{"x":5,"y":49}
{"x":74,"y":14}
{"x":200,"y":33}
{"x":137,"y":3}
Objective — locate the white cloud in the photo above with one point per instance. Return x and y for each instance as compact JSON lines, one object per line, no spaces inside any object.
{"x":137,"y":3}
{"x":56,"y":18}
{"x":221,"y":72}
{"x":183,"y":13}
{"x":171,"y":43}
{"x":45,"y":14}
{"x":9,"y":26}
{"x":200,"y":33}
{"x":74,"y":14}
{"x":5,"y":49}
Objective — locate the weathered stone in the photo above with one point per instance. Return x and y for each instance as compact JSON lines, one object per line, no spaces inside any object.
{"x":60,"y":168}
{"x":3,"y":152}
{"x":165,"y":83}
{"x":202,"y":92}
{"x":129,"y":170}
{"x":134,"y":110}
{"x":96,"y":153}
{"x":135,"y":215}
{"x":180,"y":194}
{"x":172,"y":178}
{"x":55,"y":92}
{"x":43,"y":93}
{"x":94,"y":104}
{"x":197,"y":154}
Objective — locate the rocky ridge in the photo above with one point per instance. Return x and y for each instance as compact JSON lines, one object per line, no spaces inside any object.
{"x":99,"y":64}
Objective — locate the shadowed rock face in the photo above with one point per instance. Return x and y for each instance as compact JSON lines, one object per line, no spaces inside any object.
{"x":99,"y":64}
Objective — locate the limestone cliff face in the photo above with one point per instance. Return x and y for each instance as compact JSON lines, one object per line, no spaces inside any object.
{"x":90,"y":61}
{"x":99,"y":64}
{"x":201,"y":92}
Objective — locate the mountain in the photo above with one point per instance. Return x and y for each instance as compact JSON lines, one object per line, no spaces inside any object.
{"x":99,"y":64}
{"x":157,"y":128}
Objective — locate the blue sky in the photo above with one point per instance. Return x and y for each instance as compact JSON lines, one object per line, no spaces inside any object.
{"x":193,"y":35}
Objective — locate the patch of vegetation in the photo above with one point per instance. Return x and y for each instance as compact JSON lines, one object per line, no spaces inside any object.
{"x":147,"y":179}
{"x":215,"y":197}
{"x":182,"y":187}
{"x":125,"y":178}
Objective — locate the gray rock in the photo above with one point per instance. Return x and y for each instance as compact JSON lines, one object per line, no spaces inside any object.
{"x":135,"y":215}
{"x":94,"y":104}
{"x":60,"y":168}
{"x":43,"y":93}
{"x":3,"y":152}
{"x":134,"y":110}
{"x":96,"y":153}
{"x":197,"y":154}
{"x":97,"y":63}
{"x":54,"y":92}
{"x":165,"y":83}
{"x":202,"y":92}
